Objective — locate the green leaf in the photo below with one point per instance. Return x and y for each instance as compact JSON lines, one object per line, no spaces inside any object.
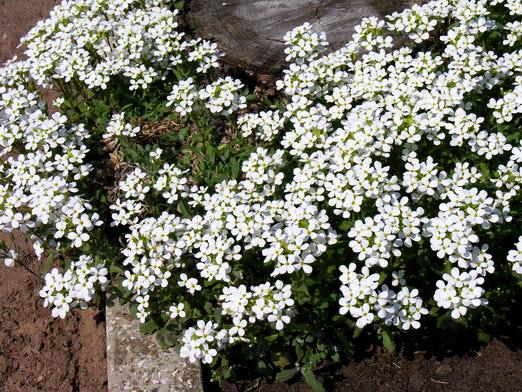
{"x":49,"y":261}
{"x":316,"y":358}
{"x":179,"y":5}
{"x":483,"y":337}
{"x":121,"y":292}
{"x":387,"y":342}
{"x":281,"y":359}
{"x":299,"y":352}
{"x":309,"y":339}
{"x":208,"y":307}
{"x":115,"y":269}
{"x":261,"y":366}
{"x":183,"y":132}
{"x":345,"y":225}
{"x":183,"y":210}
{"x":227,"y":372}
{"x":271,"y":338}
{"x":148,"y":327}
{"x":235,"y":167}
{"x":311,"y":380}
{"x":166,"y":338}
{"x":286,"y":375}
{"x":179,"y":74}
{"x":444,"y":320}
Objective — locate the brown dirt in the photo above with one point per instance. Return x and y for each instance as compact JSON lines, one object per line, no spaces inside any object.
{"x":37,"y":352}
{"x":16,"y":18}
{"x":495,"y":368}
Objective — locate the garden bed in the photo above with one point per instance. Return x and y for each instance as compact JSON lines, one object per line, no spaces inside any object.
{"x":41,"y":353}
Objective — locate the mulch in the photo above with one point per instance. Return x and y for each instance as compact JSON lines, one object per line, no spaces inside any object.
{"x":39,"y":353}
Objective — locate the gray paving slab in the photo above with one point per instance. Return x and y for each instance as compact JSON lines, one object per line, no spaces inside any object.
{"x":136,"y":363}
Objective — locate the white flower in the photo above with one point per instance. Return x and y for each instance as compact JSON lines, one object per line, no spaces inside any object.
{"x":156,"y":154}
{"x":515,"y":257}
{"x":372,"y":148}
{"x":177,"y":311}
{"x":11,"y":258}
{"x":118,"y":127}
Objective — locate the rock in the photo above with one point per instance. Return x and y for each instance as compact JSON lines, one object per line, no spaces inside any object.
{"x":250,"y":32}
{"x":443,"y":369}
{"x":136,"y":363}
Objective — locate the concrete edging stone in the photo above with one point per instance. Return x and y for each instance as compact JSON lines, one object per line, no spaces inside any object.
{"x":135,"y":363}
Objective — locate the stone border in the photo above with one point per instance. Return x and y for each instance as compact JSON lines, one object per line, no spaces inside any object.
{"x":136,"y":363}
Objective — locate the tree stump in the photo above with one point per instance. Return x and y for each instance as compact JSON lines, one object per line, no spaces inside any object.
{"x":250,"y":32}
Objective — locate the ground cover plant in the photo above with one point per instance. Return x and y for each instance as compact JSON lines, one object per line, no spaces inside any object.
{"x":379,"y":193}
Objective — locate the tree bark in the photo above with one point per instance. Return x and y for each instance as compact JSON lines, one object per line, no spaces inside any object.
{"x":250,"y":32}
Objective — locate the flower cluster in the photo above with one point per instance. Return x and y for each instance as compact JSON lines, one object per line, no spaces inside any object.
{"x":183,"y":96}
{"x":264,"y":125}
{"x":354,"y":134}
{"x":262,"y":302}
{"x":515,"y":33}
{"x":199,"y":342}
{"x":459,"y":291}
{"x":76,"y":286}
{"x":93,"y":41}
{"x":43,"y":163}
{"x":118,"y":127}
{"x":378,"y":238}
{"x":420,"y":20}
{"x":365,"y":300}
{"x":509,"y":105}
{"x":221,"y":96}
{"x":303,"y":43}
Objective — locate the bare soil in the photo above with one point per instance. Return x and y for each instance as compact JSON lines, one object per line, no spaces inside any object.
{"x":494,"y":368}
{"x":17,"y":17}
{"x":37,"y":352}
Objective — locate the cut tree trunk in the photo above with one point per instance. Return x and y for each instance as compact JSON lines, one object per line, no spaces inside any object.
{"x":250,"y":32}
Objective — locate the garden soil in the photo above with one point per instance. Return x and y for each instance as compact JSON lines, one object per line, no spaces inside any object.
{"x":494,"y":368}
{"x":37,"y":352}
